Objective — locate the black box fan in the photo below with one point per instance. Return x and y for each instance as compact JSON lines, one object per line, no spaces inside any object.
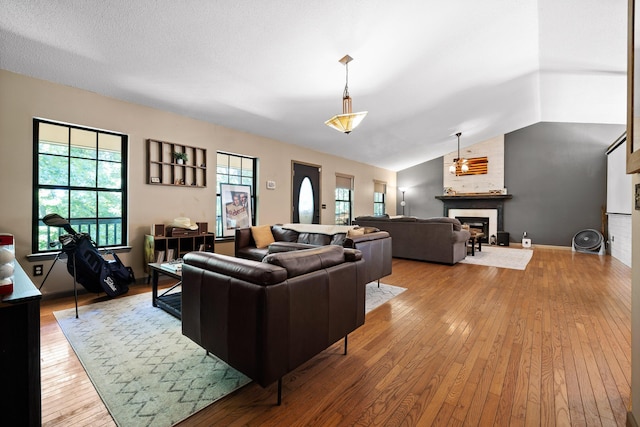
{"x":588,"y":241}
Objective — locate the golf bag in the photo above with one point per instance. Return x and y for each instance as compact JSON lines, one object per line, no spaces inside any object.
{"x":92,"y":270}
{"x":87,"y":265}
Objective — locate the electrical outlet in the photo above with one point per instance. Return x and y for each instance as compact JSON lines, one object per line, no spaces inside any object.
{"x":37,"y":270}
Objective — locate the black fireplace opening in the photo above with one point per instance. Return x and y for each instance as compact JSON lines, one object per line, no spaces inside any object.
{"x":477,"y":223}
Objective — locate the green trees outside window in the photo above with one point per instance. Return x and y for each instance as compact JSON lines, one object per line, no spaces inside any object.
{"x":80,"y":174}
{"x":378,"y":203}
{"x":343,"y":206}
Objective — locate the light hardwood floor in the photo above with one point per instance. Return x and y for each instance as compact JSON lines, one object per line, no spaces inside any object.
{"x":464,"y":345}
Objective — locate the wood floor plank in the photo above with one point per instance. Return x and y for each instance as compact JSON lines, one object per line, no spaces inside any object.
{"x":464,"y":345}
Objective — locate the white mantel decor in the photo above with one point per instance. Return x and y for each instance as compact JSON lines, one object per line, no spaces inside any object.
{"x":493,"y":149}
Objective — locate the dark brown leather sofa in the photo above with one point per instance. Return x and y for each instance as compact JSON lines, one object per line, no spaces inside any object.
{"x":437,"y":239}
{"x":375,"y":246}
{"x":267,"y":318}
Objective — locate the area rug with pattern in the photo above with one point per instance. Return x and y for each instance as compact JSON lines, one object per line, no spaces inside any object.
{"x":501,"y":257}
{"x":144,"y":369}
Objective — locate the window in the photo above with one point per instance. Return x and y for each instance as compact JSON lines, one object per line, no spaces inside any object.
{"x":81,"y":174}
{"x":344,"y":190}
{"x":379,"y":191}
{"x":235,"y":169}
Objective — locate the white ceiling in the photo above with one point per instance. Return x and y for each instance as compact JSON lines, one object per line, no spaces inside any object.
{"x":424,"y":69}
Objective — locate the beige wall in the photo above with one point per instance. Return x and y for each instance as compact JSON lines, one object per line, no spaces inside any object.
{"x":23,"y":98}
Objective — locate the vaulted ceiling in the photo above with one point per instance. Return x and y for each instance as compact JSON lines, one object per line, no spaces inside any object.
{"x":424,"y":69}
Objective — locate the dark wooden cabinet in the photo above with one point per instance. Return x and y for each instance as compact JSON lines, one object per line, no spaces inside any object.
{"x":174,"y":247}
{"x":20,"y":353}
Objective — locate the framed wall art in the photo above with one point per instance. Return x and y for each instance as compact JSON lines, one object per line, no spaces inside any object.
{"x":236,"y":207}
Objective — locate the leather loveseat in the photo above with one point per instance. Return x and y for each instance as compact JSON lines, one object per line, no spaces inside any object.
{"x":267,"y":318}
{"x":437,"y":239}
{"x":374,"y":244}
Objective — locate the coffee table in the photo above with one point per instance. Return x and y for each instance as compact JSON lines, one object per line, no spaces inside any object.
{"x":169,"y":302}
{"x":476,"y":238}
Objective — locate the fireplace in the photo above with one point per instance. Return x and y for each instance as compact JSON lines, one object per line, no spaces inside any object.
{"x":477,"y":223}
{"x":476,"y":206}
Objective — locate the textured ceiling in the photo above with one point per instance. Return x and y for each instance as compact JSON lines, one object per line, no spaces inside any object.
{"x":424,"y":69}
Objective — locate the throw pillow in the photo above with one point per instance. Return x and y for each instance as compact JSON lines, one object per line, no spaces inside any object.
{"x":262,"y":235}
{"x":368,"y":230}
{"x":355,"y":232}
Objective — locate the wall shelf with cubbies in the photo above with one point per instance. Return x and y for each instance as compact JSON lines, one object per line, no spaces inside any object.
{"x":166,"y":164}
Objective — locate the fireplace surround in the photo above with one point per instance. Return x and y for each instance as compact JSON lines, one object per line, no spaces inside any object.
{"x":477,"y":205}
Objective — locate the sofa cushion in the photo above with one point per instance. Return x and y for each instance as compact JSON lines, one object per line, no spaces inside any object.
{"x":262,"y":236}
{"x":284,"y":234}
{"x":338,"y":239}
{"x":305,"y":261}
{"x":372,"y":218}
{"x":402,"y":218}
{"x":314,"y":239}
{"x":457,"y":226}
{"x":251,"y":252}
{"x":242,"y":269}
{"x":276,"y":247}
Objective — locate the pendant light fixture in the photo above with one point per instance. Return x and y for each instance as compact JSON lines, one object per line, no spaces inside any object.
{"x":458,"y":162}
{"x":347,"y":121}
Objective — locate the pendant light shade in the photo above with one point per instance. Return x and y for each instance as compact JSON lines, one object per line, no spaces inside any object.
{"x":347,"y":121}
{"x":458,"y":162}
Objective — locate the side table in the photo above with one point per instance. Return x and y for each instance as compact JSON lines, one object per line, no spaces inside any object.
{"x":476,"y":238}
{"x":169,"y":302}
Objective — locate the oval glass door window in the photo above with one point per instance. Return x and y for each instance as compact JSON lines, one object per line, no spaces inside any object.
{"x":306,"y":202}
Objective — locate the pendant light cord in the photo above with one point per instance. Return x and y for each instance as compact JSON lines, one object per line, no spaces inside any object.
{"x":345,"y":94}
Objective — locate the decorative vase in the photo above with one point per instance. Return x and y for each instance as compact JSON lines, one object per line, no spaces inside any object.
{"x":180,"y":161}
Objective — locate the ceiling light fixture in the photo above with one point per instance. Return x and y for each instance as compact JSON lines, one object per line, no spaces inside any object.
{"x":459,"y":163}
{"x":347,"y":121}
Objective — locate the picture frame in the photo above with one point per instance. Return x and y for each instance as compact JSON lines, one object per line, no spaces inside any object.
{"x":633,"y":95}
{"x":236,"y":207}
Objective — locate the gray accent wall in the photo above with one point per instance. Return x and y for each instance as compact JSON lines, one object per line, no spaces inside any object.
{"x":423,"y":183}
{"x":556,"y":173}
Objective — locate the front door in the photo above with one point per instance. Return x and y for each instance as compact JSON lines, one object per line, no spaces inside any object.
{"x":306,"y":193}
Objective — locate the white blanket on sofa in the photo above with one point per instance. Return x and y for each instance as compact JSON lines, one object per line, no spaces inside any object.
{"x":319,"y":228}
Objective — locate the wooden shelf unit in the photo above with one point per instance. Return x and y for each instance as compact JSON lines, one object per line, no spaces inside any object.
{"x":163,"y":169}
{"x":181,"y":245}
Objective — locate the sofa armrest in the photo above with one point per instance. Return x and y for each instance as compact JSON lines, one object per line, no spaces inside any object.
{"x":352,"y":255}
{"x":277,"y":247}
{"x":244,"y":238}
{"x":460,"y":236}
{"x":352,"y":241}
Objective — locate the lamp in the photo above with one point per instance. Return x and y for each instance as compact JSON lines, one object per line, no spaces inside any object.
{"x":402,"y":203}
{"x":459,"y":162}
{"x":347,"y":121}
